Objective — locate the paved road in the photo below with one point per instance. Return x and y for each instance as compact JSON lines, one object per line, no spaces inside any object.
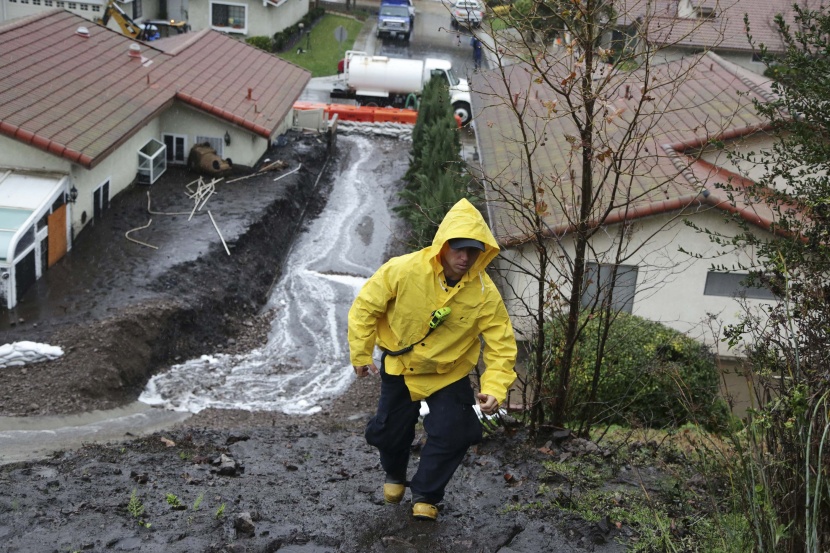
{"x":25,"y":438}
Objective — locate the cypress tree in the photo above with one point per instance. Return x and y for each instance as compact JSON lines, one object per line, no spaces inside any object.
{"x":434,"y":179}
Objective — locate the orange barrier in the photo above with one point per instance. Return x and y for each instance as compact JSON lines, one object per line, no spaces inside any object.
{"x":363,"y":114}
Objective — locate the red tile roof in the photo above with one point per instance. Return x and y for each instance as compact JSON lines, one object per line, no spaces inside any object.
{"x":727,"y":29}
{"x":80,"y":98}
{"x":689,"y":105}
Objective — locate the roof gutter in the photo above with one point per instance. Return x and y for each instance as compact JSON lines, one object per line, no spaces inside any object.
{"x":50,"y":146}
{"x":620,"y":215}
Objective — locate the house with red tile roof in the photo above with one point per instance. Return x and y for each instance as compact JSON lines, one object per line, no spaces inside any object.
{"x":237,"y":17}
{"x":677,"y":28}
{"x":647,"y":188}
{"x":92,"y":112}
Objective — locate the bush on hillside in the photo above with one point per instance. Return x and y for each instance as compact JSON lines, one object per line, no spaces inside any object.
{"x":288,"y":37}
{"x":261,"y":42}
{"x":651,"y":375}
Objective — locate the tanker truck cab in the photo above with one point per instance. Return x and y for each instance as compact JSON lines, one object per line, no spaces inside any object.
{"x":459,"y":88}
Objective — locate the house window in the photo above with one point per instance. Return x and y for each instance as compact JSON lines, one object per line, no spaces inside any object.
{"x":227,"y":15}
{"x":152,"y":161}
{"x":48,"y":3}
{"x":84,"y":7}
{"x":60,"y":4}
{"x":217,"y":144}
{"x":101,"y":200}
{"x":36,"y":2}
{"x":733,"y":285}
{"x":176,"y":148}
{"x":26,"y":240}
{"x":73,"y":6}
{"x":598,"y":286}
{"x":706,"y":12}
{"x":138,"y":9}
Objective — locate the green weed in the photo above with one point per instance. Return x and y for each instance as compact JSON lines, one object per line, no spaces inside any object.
{"x":136,"y":508}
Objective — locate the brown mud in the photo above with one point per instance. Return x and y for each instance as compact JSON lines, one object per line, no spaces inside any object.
{"x":233,"y":481}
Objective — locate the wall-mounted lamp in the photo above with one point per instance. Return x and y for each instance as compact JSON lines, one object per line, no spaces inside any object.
{"x":73,"y":194}
{"x":227,"y":139}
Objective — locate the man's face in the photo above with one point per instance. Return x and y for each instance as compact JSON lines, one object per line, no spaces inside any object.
{"x":456,"y":263}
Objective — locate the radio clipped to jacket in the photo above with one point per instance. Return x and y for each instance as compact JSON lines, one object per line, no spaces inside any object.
{"x":436,"y":318}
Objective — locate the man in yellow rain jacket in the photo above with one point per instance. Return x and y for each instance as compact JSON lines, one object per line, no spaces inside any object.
{"x":429,"y":350}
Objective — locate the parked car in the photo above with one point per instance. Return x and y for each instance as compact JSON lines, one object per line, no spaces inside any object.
{"x":410,"y":5}
{"x":466,"y":13}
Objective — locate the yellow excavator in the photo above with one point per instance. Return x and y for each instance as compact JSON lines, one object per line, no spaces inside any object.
{"x":147,"y":31}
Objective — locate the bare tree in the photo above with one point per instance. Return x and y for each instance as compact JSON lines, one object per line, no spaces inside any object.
{"x":588,"y":138}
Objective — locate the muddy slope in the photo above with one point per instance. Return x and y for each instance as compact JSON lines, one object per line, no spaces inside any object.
{"x":146,"y":310}
{"x":312,"y":486}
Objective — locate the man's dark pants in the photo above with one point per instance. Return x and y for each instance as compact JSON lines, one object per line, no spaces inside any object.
{"x":452,"y":426}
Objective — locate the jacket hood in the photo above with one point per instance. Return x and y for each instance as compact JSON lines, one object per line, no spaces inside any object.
{"x":465,"y":221}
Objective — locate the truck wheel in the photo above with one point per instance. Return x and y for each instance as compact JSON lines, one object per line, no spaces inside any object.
{"x":463,"y":111}
{"x":406,"y":37}
{"x":454,"y":24}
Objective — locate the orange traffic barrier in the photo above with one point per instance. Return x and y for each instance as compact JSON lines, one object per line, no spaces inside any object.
{"x":363,"y":114}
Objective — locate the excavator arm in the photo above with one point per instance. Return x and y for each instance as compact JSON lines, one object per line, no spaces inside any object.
{"x":128,"y":26}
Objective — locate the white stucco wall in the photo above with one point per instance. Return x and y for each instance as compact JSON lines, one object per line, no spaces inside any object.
{"x":670,"y":283}
{"x":260,"y":19}
{"x":12,"y":9}
{"x":245,"y":148}
{"x":17,"y":155}
{"x":120,"y":168}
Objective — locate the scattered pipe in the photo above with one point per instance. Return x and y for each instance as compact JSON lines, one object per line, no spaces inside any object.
{"x":127,"y":236}
{"x":288,"y":173}
{"x":217,"y":232}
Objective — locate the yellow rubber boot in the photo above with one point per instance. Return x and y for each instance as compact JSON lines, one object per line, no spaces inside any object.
{"x":425,"y":511}
{"x":393,"y":493}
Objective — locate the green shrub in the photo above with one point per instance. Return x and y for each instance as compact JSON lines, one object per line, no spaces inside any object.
{"x":650,"y":375}
{"x":261,"y":42}
{"x":434,"y":181}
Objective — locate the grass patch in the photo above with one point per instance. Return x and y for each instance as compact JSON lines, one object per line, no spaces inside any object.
{"x":497,"y":24}
{"x":324,"y":52}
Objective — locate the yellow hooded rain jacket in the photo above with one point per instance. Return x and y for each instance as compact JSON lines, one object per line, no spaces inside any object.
{"x":394,"y":307}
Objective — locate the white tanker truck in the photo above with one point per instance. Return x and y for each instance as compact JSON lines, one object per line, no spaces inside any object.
{"x":384,"y":81}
